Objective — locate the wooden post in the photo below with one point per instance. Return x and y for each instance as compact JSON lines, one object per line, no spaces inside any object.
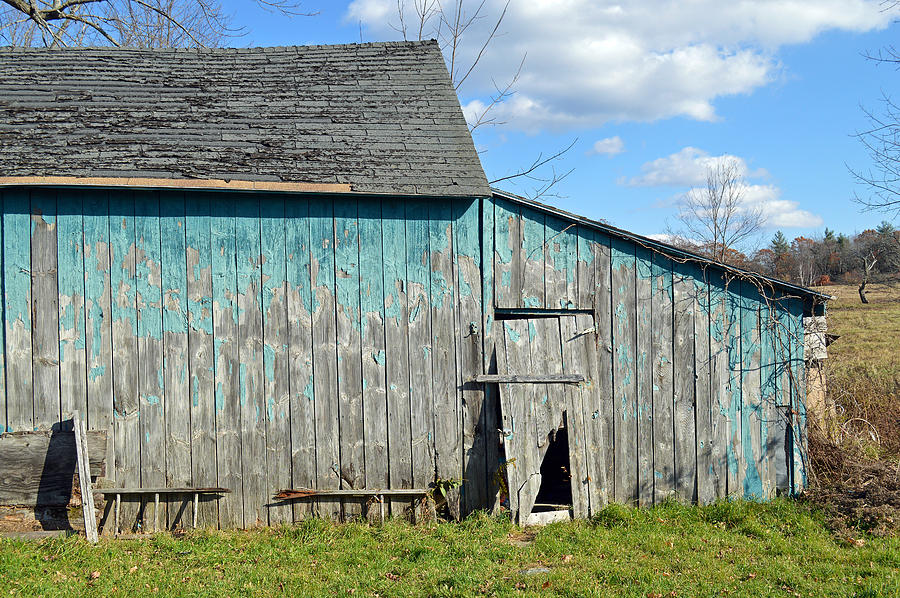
{"x":156,"y":511}
{"x":84,"y":477}
{"x":196,"y":503}
{"x":118,"y":506}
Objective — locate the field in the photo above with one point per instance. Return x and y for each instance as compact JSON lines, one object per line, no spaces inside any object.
{"x":864,"y":364}
{"x":779,"y":549}
{"x":839,"y":542}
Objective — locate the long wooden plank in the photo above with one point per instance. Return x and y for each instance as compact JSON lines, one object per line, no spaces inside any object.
{"x":644,"y":373}
{"x":44,"y":309}
{"x":768,"y":394}
{"x":84,"y":478}
{"x":151,"y":372}
{"x":374,"y":357}
{"x":719,"y":379}
{"x":252,"y":385}
{"x":276,"y":352}
{"x":325,"y":375}
{"x":704,"y":409}
{"x":420,"y":349}
{"x":751,"y":400}
{"x":561,"y":264}
{"x":299,"y":331}
{"x":98,"y":312}
{"x":507,"y":254}
{"x":585,"y":270}
{"x":577,"y":347}
{"x":684,"y":364}
{"x":599,"y":405}
{"x":349,"y":362}
{"x":517,"y":404}
{"x":529,"y":281}
{"x":444,"y":334}
{"x":784,"y":389}
{"x":468,"y":274}
{"x":3,"y":396}
{"x":493,"y":454}
{"x":735,"y":456}
{"x":125,"y":358}
{"x":396,"y":328}
{"x":17,"y":307}
{"x":175,"y":348}
{"x":226,"y":360}
{"x":545,"y":378}
{"x":71,"y":279}
{"x":663,"y":380}
{"x":624,"y":383}
{"x":798,"y":395}
{"x":201,"y":357}
{"x":546,"y":408}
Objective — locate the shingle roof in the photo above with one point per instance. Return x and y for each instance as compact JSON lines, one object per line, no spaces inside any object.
{"x":381,"y":117}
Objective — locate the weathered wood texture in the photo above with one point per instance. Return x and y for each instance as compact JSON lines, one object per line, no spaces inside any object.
{"x":37,"y":468}
{"x":264,"y":341}
{"x":697,"y":387}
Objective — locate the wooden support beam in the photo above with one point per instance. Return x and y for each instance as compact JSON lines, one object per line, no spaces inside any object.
{"x":529,"y":378}
{"x":117,"y":491}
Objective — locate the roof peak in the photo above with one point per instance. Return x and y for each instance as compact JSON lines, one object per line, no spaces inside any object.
{"x":226,"y":50}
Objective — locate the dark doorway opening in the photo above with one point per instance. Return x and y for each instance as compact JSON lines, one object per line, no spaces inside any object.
{"x":556,"y":477}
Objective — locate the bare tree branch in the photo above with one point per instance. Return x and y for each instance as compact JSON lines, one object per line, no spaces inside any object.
{"x":142,"y":23}
{"x":715,"y":218}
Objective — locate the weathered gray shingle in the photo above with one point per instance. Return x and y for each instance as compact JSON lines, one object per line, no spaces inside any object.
{"x":381,"y":117}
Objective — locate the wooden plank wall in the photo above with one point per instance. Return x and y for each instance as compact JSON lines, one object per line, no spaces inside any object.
{"x":266,"y":341}
{"x":697,"y":371}
{"x":252,"y":341}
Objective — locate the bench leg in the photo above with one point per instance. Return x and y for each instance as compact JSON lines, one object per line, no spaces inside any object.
{"x":156,"y":512}
{"x":196,"y":502}
{"x":118,"y":507}
{"x":381,"y":505}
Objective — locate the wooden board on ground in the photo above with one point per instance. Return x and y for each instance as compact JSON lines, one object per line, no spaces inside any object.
{"x":84,"y":478}
{"x":36,"y":468}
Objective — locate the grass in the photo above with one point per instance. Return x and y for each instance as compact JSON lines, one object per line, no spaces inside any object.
{"x":736,"y":548}
{"x":864,"y":363}
{"x":868,"y":332}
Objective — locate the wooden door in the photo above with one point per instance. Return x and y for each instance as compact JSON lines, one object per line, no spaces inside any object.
{"x":532,"y":412}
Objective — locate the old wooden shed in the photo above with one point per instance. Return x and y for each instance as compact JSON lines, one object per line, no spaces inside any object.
{"x":277,"y":268}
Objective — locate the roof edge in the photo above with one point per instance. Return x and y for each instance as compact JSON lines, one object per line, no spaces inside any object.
{"x":657,"y":245}
{"x":163,"y":183}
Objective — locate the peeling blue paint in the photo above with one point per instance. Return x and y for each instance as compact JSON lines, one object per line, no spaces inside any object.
{"x":96,"y":372}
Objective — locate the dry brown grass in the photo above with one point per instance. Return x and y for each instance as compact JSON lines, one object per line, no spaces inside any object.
{"x":855,"y":462}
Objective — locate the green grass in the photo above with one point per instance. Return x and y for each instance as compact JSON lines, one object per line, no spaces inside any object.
{"x":735,"y":548}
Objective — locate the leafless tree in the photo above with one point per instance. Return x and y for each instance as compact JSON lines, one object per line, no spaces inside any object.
{"x":882,"y":139}
{"x":715,"y":217}
{"x":454,"y":23}
{"x":137,"y":23}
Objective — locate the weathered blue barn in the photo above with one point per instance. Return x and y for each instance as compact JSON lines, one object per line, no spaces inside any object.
{"x":283,"y":268}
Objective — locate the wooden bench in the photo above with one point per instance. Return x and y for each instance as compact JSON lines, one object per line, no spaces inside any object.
{"x":377,"y":495}
{"x":196,"y":492}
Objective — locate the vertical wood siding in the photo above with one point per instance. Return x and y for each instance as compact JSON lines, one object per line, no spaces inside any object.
{"x":698,"y":380}
{"x":265,"y":341}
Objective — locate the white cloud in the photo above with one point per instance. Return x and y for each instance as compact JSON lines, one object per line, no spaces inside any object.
{"x":609,"y":147}
{"x":688,"y":167}
{"x":595,"y":61}
{"x":779,"y":213}
{"x":683,"y":168}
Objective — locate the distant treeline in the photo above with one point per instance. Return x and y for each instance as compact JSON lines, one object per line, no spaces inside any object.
{"x":872,"y":255}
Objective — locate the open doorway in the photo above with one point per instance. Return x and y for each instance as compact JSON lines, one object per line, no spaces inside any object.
{"x":555,"y":492}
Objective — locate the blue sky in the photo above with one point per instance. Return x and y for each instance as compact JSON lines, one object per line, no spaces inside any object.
{"x":655,"y":91}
